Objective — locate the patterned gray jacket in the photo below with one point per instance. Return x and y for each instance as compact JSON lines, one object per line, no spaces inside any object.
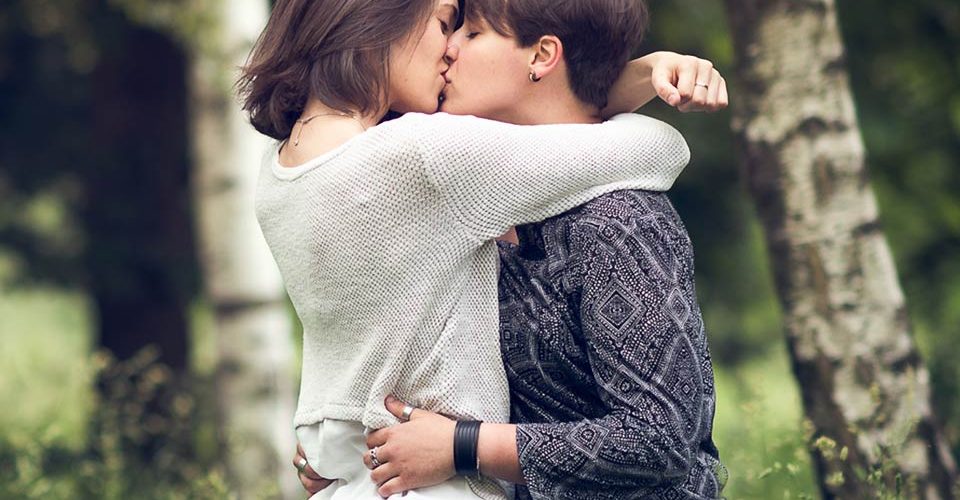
{"x":605,"y":351}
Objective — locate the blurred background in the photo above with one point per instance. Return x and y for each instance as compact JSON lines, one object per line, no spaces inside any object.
{"x":112,"y":284}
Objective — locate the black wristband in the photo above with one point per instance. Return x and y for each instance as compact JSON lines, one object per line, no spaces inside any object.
{"x":466,"y":438}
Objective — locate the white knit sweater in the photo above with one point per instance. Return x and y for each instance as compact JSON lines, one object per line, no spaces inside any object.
{"x":386,"y":247}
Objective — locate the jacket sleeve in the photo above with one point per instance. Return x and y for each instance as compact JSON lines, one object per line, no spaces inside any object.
{"x":639,"y":316}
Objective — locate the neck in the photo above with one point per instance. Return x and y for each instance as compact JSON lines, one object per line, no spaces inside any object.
{"x":551,"y":101}
{"x":316,"y":107}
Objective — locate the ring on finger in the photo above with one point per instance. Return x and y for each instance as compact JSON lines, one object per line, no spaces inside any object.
{"x":407,"y":411}
{"x":373,"y":457}
{"x":301,"y":465}
{"x":698,"y":84}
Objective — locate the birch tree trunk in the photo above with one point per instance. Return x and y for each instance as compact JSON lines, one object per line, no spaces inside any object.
{"x":863,"y":385}
{"x":255,"y":371}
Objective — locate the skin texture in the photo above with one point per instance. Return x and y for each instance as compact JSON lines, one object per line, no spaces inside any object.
{"x":489,"y":77}
{"x":416,"y":67}
{"x":485,"y":74}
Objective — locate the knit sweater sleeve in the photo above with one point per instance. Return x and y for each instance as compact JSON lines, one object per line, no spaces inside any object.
{"x":495,"y":175}
{"x":646,"y":372}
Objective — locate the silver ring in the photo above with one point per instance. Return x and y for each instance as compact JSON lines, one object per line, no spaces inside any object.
{"x":701,"y":85}
{"x":407,"y":411}
{"x":301,"y":464}
{"x":373,"y":457}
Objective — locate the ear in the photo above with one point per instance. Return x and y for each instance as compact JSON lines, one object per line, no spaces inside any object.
{"x":546,"y":55}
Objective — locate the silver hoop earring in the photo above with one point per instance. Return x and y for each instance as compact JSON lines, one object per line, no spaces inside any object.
{"x":533,"y":77}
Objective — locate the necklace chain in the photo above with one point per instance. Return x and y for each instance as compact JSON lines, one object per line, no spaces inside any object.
{"x":304,"y":121}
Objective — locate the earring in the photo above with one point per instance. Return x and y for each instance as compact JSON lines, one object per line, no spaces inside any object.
{"x":533,"y":77}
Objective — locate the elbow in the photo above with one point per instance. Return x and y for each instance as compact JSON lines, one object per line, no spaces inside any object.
{"x":674,"y":150}
{"x":679,"y":151}
{"x":677,"y":466}
{"x":666,"y":465}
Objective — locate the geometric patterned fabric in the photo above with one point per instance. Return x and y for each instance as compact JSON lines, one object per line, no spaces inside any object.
{"x":606,"y":356}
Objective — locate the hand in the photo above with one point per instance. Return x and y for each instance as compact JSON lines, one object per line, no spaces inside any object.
{"x":688,"y":83}
{"x":411,"y":454}
{"x":311,"y":481}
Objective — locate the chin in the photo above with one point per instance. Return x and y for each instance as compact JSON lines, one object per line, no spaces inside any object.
{"x":454,"y":108}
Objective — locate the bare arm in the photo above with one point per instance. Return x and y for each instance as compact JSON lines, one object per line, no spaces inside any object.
{"x":497,"y":451}
{"x":634,"y":89}
{"x":687,"y":83}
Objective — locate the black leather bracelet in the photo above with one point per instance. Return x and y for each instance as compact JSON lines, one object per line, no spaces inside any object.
{"x":466,"y":438}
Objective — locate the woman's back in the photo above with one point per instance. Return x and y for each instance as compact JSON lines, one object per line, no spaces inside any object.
{"x":376,"y":265}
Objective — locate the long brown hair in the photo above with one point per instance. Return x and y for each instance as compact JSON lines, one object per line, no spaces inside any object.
{"x":336,"y":51}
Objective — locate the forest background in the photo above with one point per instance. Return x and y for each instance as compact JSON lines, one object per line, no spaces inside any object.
{"x":98,"y":245}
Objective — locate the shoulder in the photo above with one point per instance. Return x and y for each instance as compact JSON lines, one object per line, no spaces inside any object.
{"x":620,"y":206}
{"x":442,"y":123}
{"x":617,"y":220}
{"x":439,"y":136}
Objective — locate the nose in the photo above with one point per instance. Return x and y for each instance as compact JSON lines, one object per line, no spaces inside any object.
{"x":453,"y":50}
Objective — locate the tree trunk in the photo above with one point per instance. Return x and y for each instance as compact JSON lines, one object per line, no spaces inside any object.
{"x":256,"y":366}
{"x":864,"y":387}
{"x":140,"y":253}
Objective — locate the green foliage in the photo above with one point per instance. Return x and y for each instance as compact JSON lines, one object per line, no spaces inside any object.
{"x":760,"y":432}
{"x":141,"y":443}
{"x":191,"y":23}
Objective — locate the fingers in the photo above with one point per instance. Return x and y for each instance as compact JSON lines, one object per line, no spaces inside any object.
{"x":394,"y":406}
{"x":311,"y":481}
{"x":716,"y":97}
{"x":662,"y":80}
{"x":307,"y":470}
{"x":707,"y":99}
{"x":368,"y":459}
{"x":723,"y":99}
{"x":384,"y":473}
{"x":377,"y":438}
{"x":687,"y":71}
{"x":392,"y":486}
{"x":312,"y":474}
{"x":713,"y":92}
{"x":314,"y":485}
{"x":698,"y":100}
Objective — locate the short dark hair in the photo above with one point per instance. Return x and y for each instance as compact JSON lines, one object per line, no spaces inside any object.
{"x":336,"y":51}
{"x":598,"y":36}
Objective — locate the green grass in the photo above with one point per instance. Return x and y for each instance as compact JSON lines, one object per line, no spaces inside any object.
{"x":45,"y":367}
{"x":760,"y":432}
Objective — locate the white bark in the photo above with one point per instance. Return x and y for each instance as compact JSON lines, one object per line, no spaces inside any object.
{"x":255,"y":372}
{"x":864,"y":386}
